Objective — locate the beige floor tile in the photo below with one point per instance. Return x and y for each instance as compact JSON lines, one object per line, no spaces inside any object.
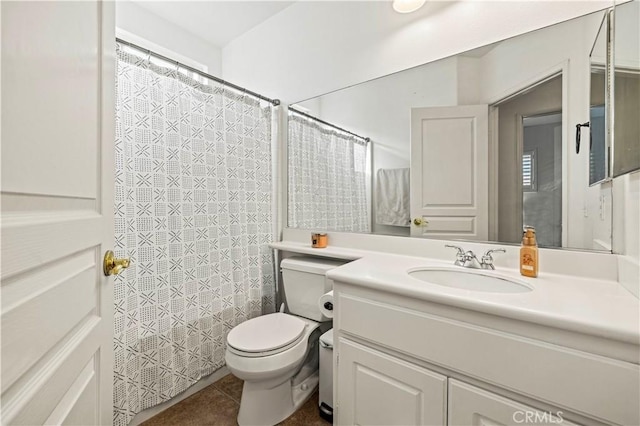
{"x":218,"y":405}
{"x":307,"y":415}
{"x":207,"y":407}
{"x":230,"y":385}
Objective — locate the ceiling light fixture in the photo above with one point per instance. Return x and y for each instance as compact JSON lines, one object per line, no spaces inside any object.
{"x":407,"y":6}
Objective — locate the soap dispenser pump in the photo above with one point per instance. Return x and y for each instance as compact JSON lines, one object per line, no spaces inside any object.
{"x":529,"y":253}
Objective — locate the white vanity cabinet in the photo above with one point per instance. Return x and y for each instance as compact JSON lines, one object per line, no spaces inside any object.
{"x":379,"y":389}
{"x":402,"y":361}
{"x":472,"y":406}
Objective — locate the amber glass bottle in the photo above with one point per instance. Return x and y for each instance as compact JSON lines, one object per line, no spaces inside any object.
{"x":529,"y":253}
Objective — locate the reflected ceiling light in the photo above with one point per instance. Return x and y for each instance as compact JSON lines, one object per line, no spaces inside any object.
{"x":407,"y":6}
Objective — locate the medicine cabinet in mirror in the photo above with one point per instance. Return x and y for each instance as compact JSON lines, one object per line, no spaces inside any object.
{"x":626,"y":84}
{"x":470,"y":147}
{"x":599,"y":138}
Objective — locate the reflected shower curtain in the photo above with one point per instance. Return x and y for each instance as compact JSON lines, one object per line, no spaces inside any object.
{"x":193,"y":210}
{"x":327,"y":178}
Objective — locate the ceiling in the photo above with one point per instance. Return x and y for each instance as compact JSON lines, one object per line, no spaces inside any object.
{"x":217,"y":22}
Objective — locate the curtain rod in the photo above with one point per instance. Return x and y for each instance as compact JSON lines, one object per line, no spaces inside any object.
{"x":367,"y":140}
{"x":275,"y":102}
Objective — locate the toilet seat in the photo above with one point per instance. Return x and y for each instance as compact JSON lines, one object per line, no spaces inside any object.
{"x":266,"y":335}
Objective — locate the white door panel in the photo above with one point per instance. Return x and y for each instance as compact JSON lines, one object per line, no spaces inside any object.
{"x":78,"y":398}
{"x":447,"y":142}
{"x":449,"y":175}
{"x":471,"y":406}
{"x":378,"y":389}
{"x":49,"y":57}
{"x":58,"y":76}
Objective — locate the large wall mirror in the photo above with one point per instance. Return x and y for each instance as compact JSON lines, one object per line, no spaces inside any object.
{"x":470,"y":147}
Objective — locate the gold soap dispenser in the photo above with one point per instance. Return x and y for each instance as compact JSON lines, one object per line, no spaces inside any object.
{"x":529,"y":253}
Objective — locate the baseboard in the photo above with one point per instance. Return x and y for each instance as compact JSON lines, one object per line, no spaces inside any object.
{"x":145,"y":415}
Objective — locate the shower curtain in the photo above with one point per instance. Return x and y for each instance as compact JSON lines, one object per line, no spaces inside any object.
{"x":327,"y":178}
{"x":193,"y":211}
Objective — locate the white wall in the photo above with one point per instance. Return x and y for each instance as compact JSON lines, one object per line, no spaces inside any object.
{"x":627,"y":190}
{"x":626,"y":230}
{"x":144,"y":24}
{"x":311,"y":48}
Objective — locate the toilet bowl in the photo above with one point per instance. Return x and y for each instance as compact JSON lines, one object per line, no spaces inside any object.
{"x":277,"y":357}
{"x":277,"y":354}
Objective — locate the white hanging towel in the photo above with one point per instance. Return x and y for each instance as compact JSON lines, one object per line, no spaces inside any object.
{"x":392,"y":197}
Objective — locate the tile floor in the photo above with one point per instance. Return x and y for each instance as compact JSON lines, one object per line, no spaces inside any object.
{"x":218,"y":405}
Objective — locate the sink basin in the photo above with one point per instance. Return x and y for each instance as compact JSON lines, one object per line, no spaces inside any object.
{"x":469,"y":280}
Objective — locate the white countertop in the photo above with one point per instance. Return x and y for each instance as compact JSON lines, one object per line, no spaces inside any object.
{"x":596,"y":307}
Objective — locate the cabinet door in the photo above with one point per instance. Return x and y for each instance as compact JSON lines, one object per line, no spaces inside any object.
{"x":374,"y":388}
{"x":471,"y":406}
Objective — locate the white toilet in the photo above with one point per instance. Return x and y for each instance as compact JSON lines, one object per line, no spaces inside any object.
{"x":277,"y":354}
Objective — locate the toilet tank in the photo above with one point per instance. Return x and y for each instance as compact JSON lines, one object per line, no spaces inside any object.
{"x":304,"y":281}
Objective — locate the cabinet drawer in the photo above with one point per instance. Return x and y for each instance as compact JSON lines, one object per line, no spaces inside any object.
{"x":598,"y":387}
{"x":471,"y":406}
{"x":378,"y":389}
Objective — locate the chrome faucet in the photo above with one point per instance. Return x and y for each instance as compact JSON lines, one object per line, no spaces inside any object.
{"x":487,"y":260}
{"x":460,"y":255}
{"x":468,"y":259}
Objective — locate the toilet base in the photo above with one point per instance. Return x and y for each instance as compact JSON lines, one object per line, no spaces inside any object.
{"x":269,"y":406}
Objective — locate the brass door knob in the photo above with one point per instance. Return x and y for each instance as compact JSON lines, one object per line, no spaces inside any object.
{"x":112,"y":265}
{"x":418,"y":221}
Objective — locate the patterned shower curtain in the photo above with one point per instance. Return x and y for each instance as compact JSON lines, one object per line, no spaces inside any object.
{"x":193,"y":210}
{"x":327,"y":178}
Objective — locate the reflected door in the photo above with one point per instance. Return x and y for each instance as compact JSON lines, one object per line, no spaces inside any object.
{"x":449,"y":172}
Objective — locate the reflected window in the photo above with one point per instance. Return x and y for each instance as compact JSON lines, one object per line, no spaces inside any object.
{"x":528,"y":171}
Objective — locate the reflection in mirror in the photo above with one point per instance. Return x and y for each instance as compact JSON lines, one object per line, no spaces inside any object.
{"x":542,"y":177}
{"x":477,"y":145}
{"x":327,"y":176}
{"x":626,"y":154}
{"x":531,"y":123}
{"x":598,"y":145}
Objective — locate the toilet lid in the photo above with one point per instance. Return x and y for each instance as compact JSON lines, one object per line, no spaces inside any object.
{"x":266,"y":333}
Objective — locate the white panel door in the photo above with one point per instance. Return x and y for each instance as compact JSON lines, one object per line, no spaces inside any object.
{"x":471,"y":406}
{"x":58,"y":81}
{"x":449,"y":172}
{"x":374,"y":388}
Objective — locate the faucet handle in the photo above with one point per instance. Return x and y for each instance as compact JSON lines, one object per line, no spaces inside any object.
{"x":460,"y":250}
{"x":460,"y":255}
{"x":487,"y":259}
{"x":488,"y":252}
